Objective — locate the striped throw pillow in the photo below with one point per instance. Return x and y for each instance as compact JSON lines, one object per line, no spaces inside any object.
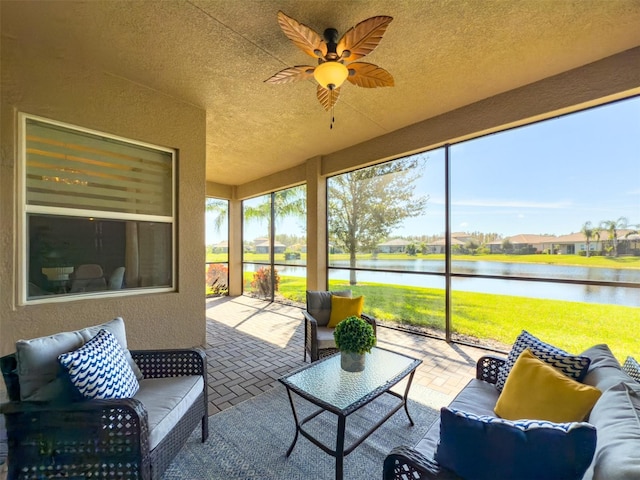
{"x":571,"y":365}
{"x":99,"y":369}
{"x":632,"y":368}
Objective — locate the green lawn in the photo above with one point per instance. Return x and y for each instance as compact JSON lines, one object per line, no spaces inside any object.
{"x":573,"y":326}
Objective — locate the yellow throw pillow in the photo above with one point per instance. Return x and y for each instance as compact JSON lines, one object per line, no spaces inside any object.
{"x":343,"y":307}
{"x":535,"y":390}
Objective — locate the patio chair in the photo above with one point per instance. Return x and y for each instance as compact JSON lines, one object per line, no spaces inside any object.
{"x":88,"y":278}
{"x":116,"y":279}
{"x":55,"y":432}
{"x":318,"y":337}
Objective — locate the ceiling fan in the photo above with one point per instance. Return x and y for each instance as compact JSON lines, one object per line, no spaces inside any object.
{"x":333,"y":56}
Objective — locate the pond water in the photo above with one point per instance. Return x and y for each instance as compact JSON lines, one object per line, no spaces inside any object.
{"x":538,"y":270}
{"x":556,"y":291}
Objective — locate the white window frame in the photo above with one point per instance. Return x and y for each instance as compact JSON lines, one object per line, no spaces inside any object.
{"x":24,"y":210}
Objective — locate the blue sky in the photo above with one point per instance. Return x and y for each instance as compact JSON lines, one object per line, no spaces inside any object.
{"x":546,"y":178}
{"x":550,"y":177}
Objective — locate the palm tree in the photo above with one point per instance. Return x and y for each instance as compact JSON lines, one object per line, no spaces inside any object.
{"x":220,"y":209}
{"x":612,"y":226}
{"x":588,"y":231}
{"x":596,"y":235}
{"x":290,"y":202}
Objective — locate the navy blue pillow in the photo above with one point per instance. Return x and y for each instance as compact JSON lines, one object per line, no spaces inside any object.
{"x":489,"y":448}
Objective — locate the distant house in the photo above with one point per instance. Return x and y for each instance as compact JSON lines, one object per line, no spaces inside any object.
{"x":462,"y":237}
{"x":633,"y":241}
{"x":221,"y":247}
{"x":394,"y":246}
{"x":439,"y":245}
{"x":525,"y":243}
{"x":576,"y":242}
{"x":262,"y":246}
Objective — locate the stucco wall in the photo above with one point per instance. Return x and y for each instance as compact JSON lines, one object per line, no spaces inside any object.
{"x":57,"y":88}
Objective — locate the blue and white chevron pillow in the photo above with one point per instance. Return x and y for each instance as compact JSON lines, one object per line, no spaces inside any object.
{"x":99,"y":368}
{"x":572,"y":366}
{"x":481,"y":447}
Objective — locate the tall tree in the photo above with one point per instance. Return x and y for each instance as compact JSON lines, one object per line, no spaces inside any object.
{"x":589,"y":232}
{"x":367,"y":204}
{"x":612,"y":227}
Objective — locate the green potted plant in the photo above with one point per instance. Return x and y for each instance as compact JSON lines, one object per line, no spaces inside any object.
{"x":354,"y":338}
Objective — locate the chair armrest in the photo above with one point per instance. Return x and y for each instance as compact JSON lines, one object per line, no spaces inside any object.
{"x":170,"y":363}
{"x":310,"y":335}
{"x":405,"y":462}
{"x":9,"y":367}
{"x":309,"y":318}
{"x":487,"y":368}
{"x":91,"y":405}
{"x":46,"y":435}
{"x":371,"y":321}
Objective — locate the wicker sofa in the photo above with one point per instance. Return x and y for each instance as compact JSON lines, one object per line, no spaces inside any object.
{"x":616,"y":417}
{"x":52,"y":435}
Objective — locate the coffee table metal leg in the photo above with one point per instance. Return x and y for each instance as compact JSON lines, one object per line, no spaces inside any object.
{"x":295,"y":419}
{"x":340,"y":447}
{"x":406,"y":398}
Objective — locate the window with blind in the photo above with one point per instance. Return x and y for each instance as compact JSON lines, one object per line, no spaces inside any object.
{"x":98,"y":212}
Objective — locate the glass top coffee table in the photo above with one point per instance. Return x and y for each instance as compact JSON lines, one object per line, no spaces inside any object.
{"x":326,"y":385}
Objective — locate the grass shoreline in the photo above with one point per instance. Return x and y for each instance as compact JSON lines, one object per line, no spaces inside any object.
{"x":573,"y":326}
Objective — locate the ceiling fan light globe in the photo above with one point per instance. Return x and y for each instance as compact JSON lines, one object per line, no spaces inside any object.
{"x":331,"y":74}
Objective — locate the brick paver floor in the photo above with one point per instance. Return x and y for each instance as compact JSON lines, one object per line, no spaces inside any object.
{"x":251,"y":343}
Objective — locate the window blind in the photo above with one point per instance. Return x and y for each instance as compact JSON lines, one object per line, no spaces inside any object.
{"x":78,"y":170}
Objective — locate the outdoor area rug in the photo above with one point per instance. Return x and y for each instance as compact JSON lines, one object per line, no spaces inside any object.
{"x":249,"y":441}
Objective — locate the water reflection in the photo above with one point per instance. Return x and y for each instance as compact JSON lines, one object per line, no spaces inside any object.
{"x":545,"y":290}
{"x":535,"y":270}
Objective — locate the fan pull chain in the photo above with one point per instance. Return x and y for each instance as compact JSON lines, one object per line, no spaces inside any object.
{"x":333,"y":118}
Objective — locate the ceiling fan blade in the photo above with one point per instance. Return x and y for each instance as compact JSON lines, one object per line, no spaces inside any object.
{"x":363,"y":38}
{"x":302,"y":36}
{"x":328,"y":98}
{"x":292,"y":74}
{"x":369,"y":75}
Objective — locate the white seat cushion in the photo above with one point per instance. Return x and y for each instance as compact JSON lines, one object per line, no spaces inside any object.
{"x":325,"y":338}
{"x":166,"y":401}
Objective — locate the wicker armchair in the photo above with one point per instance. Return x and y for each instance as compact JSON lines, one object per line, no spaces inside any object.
{"x":318,"y":338}
{"x":407,"y":463}
{"x":99,"y":438}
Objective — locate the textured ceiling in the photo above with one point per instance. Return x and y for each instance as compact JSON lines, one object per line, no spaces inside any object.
{"x":443,"y":54}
